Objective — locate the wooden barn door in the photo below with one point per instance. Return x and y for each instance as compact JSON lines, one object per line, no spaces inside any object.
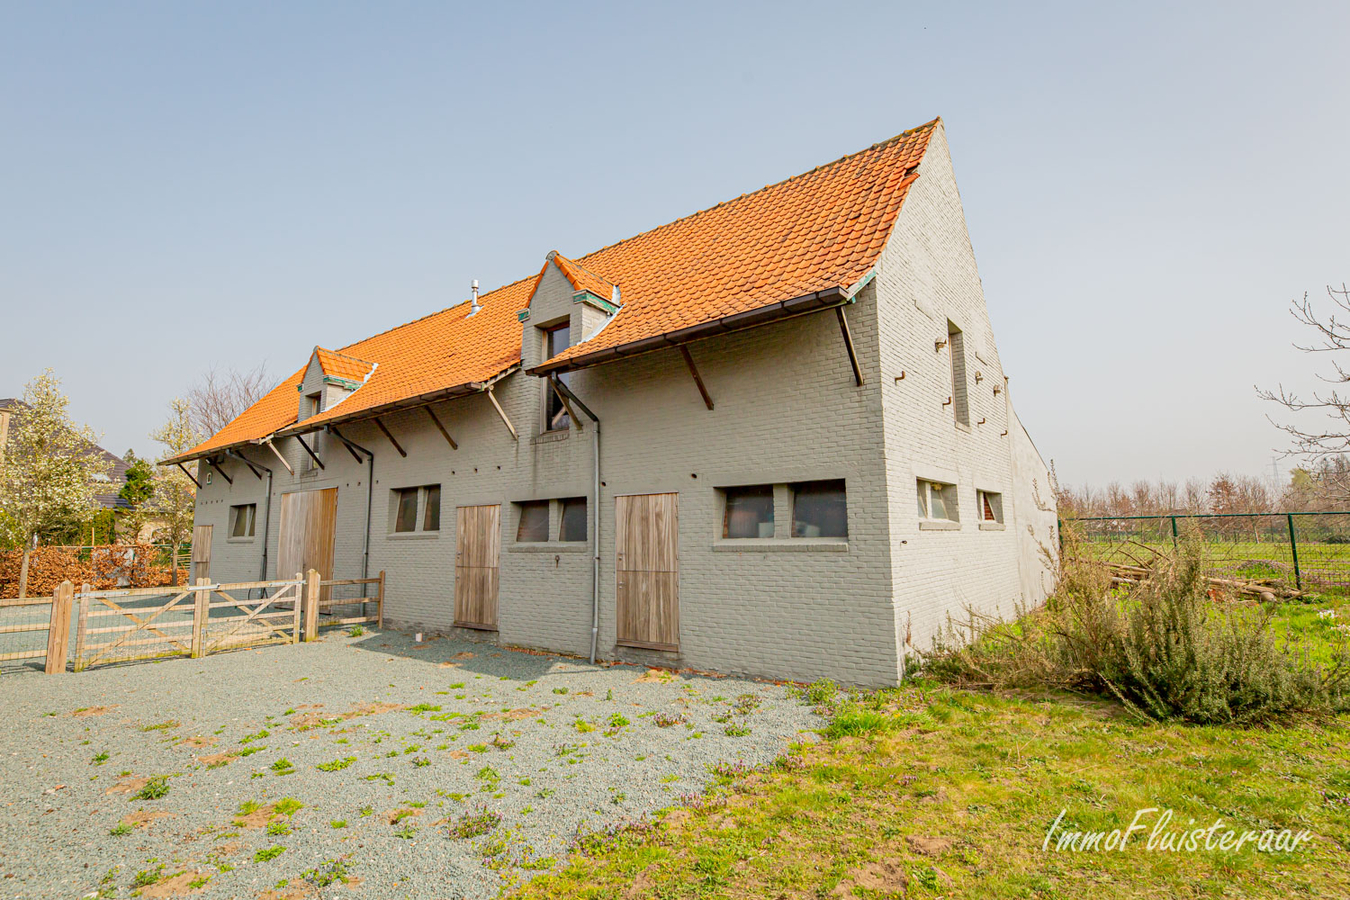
{"x":307,"y":530}
{"x":201,"y":552}
{"x":647,"y":580}
{"x":478,"y":542}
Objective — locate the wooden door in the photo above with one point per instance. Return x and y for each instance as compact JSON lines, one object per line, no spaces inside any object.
{"x":307,"y":530}
{"x":201,"y":552}
{"x":478,"y":543}
{"x":647,"y":577}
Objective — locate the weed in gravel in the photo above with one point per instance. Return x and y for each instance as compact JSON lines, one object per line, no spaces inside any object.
{"x":356,"y":631}
{"x":256,"y":736}
{"x":249,"y":751}
{"x":488,"y":776}
{"x":407,"y":832}
{"x":387,"y":777}
{"x":338,"y":823}
{"x":154,"y":789}
{"x":473,"y":824}
{"x":502,"y":743}
{"x":199,"y":882}
{"x":288,"y":806}
{"x":336,"y":764}
{"x":101,"y":757}
{"x":736,"y":729}
{"x":248,"y":807}
{"x":457,"y":686}
{"x":423,"y":707}
{"x":665,"y":720}
{"x":565,"y":749}
{"x":162,"y":726}
{"x":327,"y":872}
{"x":545,"y":793}
{"x":421,"y":761}
{"x":282,"y":766}
{"x":477,"y":748}
{"x":147,"y":877}
{"x":279,"y":827}
{"x":747,"y":703}
{"x":582,"y":726}
{"x":269,"y":853}
{"x":366,"y":811}
{"x":120,"y":829}
{"x":560,"y":690}
{"x":617,"y":721}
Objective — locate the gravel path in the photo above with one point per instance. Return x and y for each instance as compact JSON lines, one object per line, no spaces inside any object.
{"x":417,"y":740}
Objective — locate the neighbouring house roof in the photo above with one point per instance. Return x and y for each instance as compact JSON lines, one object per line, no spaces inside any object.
{"x":117,"y":467}
{"x":807,"y":241}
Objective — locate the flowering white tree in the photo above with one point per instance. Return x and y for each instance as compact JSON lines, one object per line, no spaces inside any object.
{"x":173,"y":498}
{"x":50,"y":471}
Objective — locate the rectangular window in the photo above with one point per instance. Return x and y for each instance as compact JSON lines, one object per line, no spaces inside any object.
{"x":748,"y":512}
{"x":431,"y":514}
{"x":313,"y":404}
{"x":956,"y":348}
{"x":573,"y":525}
{"x":405,"y":518}
{"x":533,"y":525}
{"x":991,"y":506}
{"x":819,"y":509}
{"x":937,"y":501}
{"x":241,"y":520}
{"x":556,"y":340}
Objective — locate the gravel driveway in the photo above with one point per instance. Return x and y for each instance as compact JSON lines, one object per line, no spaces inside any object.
{"x":443,"y":769}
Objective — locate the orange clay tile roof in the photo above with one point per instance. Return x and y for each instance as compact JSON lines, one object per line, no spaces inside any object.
{"x":339,"y":365}
{"x":820,"y":230}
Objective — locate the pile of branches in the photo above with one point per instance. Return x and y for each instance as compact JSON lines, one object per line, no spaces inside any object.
{"x":1138,"y":571}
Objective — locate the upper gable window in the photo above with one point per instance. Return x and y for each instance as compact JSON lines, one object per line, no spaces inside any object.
{"x":956,"y":348}
{"x":556,"y":339}
{"x":313,"y":404}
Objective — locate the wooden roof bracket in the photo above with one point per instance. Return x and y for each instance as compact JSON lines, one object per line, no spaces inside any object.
{"x":445,"y":434}
{"x":566,"y":391}
{"x":848,"y":343}
{"x":351,"y":448}
{"x":235,"y":454}
{"x":693,"y":370}
{"x":212,"y":463}
{"x":273,"y":447}
{"x":380,"y":424}
{"x":189,"y":475}
{"x":501,"y":412}
{"x":567,"y":404}
{"x":312,"y":455}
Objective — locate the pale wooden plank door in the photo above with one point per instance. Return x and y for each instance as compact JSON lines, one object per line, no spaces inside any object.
{"x":478,"y":542}
{"x":306,"y":535}
{"x":647,"y":576}
{"x":201,"y":552}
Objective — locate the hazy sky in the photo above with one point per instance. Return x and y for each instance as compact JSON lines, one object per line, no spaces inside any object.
{"x":187,"y":185}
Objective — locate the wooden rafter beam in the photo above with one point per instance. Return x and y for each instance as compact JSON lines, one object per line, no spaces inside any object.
{"x":212,"y":463}
{"x":693,"y":370}
{"x":273,"y":447}
{"x":501,"y":412}
{"x":189,"y":475}
{"x":445,"y":434}
{"x":312,"y":455}
{"x":567,"y":404}
{"x":243,"y":459}
{"x":848,"y":342}
{"x":380,"y":424}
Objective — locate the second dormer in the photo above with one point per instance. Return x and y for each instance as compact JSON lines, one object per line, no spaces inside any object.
{"x":329,"y":378}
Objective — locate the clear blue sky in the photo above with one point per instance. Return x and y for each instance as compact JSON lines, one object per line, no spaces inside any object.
{"x":193,"y":184}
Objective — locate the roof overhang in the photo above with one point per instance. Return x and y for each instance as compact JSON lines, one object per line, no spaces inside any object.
{"x":817,"y":301}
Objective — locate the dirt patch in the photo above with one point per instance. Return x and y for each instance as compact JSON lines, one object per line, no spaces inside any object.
{"x":92,"y":711}
{"x":198,"y":742}
{"x":301,"y":891}
{"x":515,"y":715}
{"x":225,"y":850}
{"x":213,"y":759}
{"x":394,"y":816}
{"x":884,"y":877}
{"x":143,"y":817}
{"x":459,"y":754}
{"x":928,"y":846}
{"x":463,"y":654}
{"x":129,"y":785}
{"x":303,"y":721}
{"x":256,"y":819}
{"x":177,"y":886}
{"x":658,"y":675}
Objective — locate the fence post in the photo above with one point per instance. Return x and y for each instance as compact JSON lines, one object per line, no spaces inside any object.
{"x":201,"y":611}
{"x":1293,"y":549}
{"x":1174,"y":532}
{"x":379,"y":606}
{"x":81,"y":627}
{"x":58,"y":631}
{"x":312,"y":605}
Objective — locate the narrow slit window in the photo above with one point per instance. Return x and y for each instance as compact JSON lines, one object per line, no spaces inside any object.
{"x":533,"y":525}
{"x":556,"y":340}
{"x":405,"y":518}
{"x":748,"y":512}
{"x":956,"y":348}
{"x":573,"y":524}
{"x":241,"y":520}
{"x":431,"y":517}
{"x":991,"y":507}
{"x":819,"y":509}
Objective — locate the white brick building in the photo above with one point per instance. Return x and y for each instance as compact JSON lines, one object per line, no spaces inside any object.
{"x":806,"y":454}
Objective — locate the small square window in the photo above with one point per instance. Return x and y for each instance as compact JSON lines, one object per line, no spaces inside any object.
{"x":937,"y":501}
{"x":241,"y":520}
{"x":748,"y":512}
{"x":405,"y":518}
{"x":533,"y":525}
{"x":819,"y":509}
{"x":431,"y":515}
{"x":991,"y":507}
{"x":573,"y":526}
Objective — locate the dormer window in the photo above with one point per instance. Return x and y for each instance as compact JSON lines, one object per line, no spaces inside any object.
{"x":557,"y":338}
{"x":313,"y":404}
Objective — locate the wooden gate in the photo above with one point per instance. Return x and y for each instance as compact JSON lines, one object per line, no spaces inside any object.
{"x":647,"y":576}
{"x":201,"y":552}
{"x":307,"y":529}
{"x":477,"y":573}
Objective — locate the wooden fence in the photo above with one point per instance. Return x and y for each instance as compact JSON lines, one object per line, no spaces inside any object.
{"x":192,"y":620}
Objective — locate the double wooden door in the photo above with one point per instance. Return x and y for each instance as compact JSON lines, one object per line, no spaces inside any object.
{"x":201,"y":552}
{"x":647,"y":577}
{"x":307,"y":530}
{"x":478,"y":543}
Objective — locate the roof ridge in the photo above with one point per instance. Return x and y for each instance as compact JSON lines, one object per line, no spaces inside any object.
{"x":930,"y":124}
{"x":344,"y":355}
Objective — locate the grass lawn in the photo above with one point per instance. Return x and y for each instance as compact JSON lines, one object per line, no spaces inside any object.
{"x":926,"y":791}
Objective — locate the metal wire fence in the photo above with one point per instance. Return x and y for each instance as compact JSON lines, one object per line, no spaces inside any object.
{"x":1306,"y":551}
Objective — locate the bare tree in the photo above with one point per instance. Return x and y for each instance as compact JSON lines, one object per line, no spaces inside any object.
{"x":219,"y":397}
{"x":1332,"y":337}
